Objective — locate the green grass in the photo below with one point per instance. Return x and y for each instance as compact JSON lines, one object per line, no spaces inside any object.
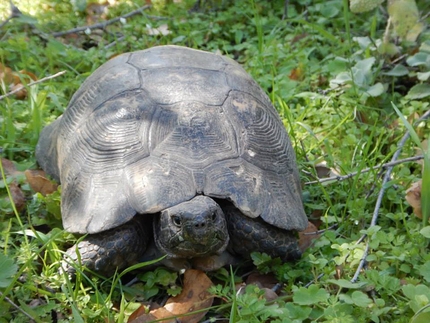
{"x":329,"y":74}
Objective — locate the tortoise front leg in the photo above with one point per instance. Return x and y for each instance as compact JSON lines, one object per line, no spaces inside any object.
{"x":248,"y":235}
{"x":111,"y":250}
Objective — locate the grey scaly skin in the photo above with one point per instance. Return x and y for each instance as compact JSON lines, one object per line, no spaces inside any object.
{"x":197,"y":233}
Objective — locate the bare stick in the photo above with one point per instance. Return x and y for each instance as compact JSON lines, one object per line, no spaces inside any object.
{"x":380,"y":196}
{"x":101,"y":25}
{"x":30,"y":84}
{"x":17,"y":307}
{"x":365,"y":170}
{"x":14,"y":13}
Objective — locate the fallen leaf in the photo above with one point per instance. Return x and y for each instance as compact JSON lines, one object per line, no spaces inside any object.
{"x":39,"y":182}
{"x":9,"y":167}
{"x":265,"y":282}
{"x":305,"y":240}
{"x":413,"y":197}
{"x":193,"y":298}
{"x":96,"y":12}
{"x":18,"y":196}
{"x":7,"y":76}
{"x":297,"y":74}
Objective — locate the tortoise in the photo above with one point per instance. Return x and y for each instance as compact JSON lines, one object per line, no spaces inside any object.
{"x":178,"y":152}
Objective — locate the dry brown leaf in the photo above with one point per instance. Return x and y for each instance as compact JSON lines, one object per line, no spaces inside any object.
{"x":96,"y":12}
{"x":17,"y":196}
{"x":159,"y":314}
{"x":265,"y":282}
{"x":324,"y":171}
{"x":6,"y":75}
{"x":9,"y":167}
{"x":262,"y":280}
{"x":413,"y":197}
{"x":39,"y":182}
{"x":305,"y":240}
{"x":194,"y":297}
{"x":297,"y":74}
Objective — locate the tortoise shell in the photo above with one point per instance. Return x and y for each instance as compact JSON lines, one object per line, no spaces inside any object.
{"x":154,"y":128}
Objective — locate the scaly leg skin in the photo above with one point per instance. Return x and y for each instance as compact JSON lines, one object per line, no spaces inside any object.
{"x":248,"y":235}
{"x":110,"y":250}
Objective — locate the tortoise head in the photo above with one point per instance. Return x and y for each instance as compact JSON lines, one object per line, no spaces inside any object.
{"x":195,"y":228}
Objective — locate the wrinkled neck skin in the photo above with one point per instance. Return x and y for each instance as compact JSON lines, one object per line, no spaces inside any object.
{"x":192,"y":229}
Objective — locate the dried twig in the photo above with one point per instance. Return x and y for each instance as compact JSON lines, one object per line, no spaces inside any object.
{"x":365,"y":170}
{"x":19,"y":88}
{"x":380,"y":196}
{"x":17,"y":307}
{"x":14,"y":13}
{"x":101,"y":25}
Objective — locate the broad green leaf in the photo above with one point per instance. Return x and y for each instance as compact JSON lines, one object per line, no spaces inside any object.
{"x":358,"y":6}
{"x":346,"y":283}
{"x":424,"y":270}
{"x":419,"y":91}
{"x":411,"y":291}
{"x":419,"y":59}
{"x":375,"y":90}
{"x":360,"y":299}
{"x":298,"y":312}
{"x":405,"y":18}
{"x":423,"y":76}
{"x":398,"y":70}
{"x":7,"y":269}
{"x":423,"y":317}
{"x":311,"y":295}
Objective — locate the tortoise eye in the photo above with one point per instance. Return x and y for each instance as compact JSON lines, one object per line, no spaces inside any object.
{"x":176,"y":220}
{"x":213,"y":216}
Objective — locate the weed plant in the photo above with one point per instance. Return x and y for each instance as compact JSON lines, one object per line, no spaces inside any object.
{"x":334,"y":77}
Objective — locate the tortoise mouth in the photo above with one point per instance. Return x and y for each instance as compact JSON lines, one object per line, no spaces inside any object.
{"x":178,"y":247}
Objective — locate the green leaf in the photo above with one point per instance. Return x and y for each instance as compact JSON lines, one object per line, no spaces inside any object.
{"x":311,"y":295}
{"x":419,"y":59}
{"x":419,"y":91}
{"x":424,"y":270}
{"x":411,"y":291}
{"x":405,"y":18}
{"x":346,"y":283}
{"x":423,"y":76}
{"x":421,"y":318}
{"x":358,"y":6}
{"x":7,"y":269}
{"x":360,"y":299}
{"x":375,"y":90}
{"x":398,"y":70}
{"x":298,"y":312}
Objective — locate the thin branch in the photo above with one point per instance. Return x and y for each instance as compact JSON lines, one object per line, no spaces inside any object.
{"x":334,"y":226}
{"x":16,"y":306}
{"x":31,"y":84}
{"x":386,"y":179}
{"x":14,"y":13}
{"x":365,"y":170}
{"x":101,"y":25}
